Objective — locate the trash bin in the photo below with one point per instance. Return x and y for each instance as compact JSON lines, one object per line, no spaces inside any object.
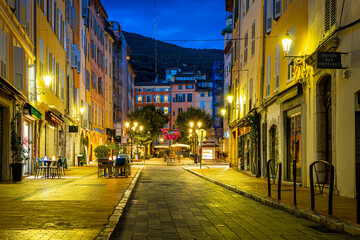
{"x":195,"y":158}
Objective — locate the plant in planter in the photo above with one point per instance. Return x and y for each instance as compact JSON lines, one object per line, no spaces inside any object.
{"x":82,"y":159}
{"x":19,"y":152}
{"x":102,"y":151}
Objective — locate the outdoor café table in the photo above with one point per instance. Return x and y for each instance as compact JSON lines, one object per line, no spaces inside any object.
{"x":48,"y":163}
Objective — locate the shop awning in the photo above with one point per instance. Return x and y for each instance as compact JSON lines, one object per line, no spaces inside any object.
{"x":161,"y":146}
{"x":179,"y":145}
{"x":33,"y":111}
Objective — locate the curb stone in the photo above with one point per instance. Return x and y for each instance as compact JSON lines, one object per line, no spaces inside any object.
{"x":331,"y":223}
{"x":114,"y":218}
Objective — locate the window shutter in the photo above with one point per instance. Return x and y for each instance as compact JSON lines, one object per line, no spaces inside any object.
{"x":268,"y":75}
{"x":59,"y":25}
{"x":72,"y":55}
{"x":277,"y":66}
{"x":330,"y":14}
{"x":269,"y":15}
{"x":3,"y":57}
{"x":19,"y":68}
{"x":84,"y":8}
{"x":277,"y":9}
{"x":64,"y":39}
{"x":11,"y":3}
{"x":23,"y":14}
{"x":78,"y":53}
{"x":68,"y":50}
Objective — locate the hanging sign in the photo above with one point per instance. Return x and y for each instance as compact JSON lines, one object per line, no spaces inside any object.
{"x":329,"y":60}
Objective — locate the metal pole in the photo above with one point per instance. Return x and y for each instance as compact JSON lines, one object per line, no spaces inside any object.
{"x":131,"y":147}
{"x":294,"y":168}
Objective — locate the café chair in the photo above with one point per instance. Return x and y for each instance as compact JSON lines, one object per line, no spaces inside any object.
{"x":103,"y":165}
{"x":120,"y":165}
{"x":55,"y":169}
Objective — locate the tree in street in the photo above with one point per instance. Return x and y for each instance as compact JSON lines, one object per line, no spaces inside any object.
{"x":192,"y":115}
{"x":152,"y":120}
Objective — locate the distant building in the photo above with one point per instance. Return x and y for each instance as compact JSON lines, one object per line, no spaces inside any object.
{"x":153,"y":94}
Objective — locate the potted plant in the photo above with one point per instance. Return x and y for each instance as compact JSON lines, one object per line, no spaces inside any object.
{"x":19,"y":152}
{"x":82,"y":159}
{"x":102,"y":151}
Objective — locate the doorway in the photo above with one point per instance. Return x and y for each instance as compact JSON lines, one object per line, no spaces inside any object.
{"x":294,"y":147}
{"x":27,"y":142}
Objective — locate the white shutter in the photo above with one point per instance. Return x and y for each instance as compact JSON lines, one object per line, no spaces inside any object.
{"x":78,"y":65}
{"x":277,"y":9}
{"x":72,"y":61}
{"x":269,"y":15}
{"x":3,"y":55}
{"x":23,"y":14}
{"x":64,"y":39}
{"x":68,"y":49}
{"x":19,"y":68}
{"x":48,"y":60}
{"x":268,"y":75}
{"x":277,"y":66}
{"x":62,"y":85}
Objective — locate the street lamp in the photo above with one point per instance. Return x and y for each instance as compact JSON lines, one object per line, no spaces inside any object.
{"x":82,"y":109}
{"x":286,"y":43}
{"x":127,"y":125}
{"x":223,"y":111}
{"x":47,"y":80}
{"x":191,"y":124}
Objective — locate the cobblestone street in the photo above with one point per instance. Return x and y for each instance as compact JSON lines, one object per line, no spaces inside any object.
{"x":76,"y":206}
{"x":170,"y":203}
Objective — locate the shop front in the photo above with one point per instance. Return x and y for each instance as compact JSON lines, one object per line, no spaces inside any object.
{"x":248,"y":144}
{"x":31,"y":115}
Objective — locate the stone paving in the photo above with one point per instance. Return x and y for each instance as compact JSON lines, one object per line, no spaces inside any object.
{"x":170,"y":203}
{"x":76,"y":206}
{"x":344,"y":209}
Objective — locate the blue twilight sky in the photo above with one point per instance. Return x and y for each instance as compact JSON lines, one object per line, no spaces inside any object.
{"x":175,"y":20}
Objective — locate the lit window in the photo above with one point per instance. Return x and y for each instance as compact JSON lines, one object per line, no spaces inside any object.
{"x":140,"y":98}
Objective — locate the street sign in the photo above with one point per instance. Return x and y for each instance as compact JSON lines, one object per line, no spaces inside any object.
{"x":202,"y":135}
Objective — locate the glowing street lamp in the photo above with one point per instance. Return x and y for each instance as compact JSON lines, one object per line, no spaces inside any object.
{"x":230,"y":98}
{"x":199,"y":124}
{"x":191,"y":124}
{"x":135,"y":124}
{"x":82,"y":110}
{"x":286,"y":43}
{"x":127,"y":124}
{"x":223,"y":111}
{"x":47,"y":80}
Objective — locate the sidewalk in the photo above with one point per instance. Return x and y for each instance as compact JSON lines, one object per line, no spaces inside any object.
{"x":77,"y":206}
{"x":344,"y":209}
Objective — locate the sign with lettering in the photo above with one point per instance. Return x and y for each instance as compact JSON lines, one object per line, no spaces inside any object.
{"x":73,"y":129}
{"x":329,"y":60}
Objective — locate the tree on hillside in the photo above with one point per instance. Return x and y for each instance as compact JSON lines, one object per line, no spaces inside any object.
{"x":192,"y":115}
{"x":152,"y":120}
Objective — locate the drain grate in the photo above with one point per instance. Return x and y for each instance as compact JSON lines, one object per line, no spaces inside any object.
{"x":323,"y":229}
{"x":145,"y":181}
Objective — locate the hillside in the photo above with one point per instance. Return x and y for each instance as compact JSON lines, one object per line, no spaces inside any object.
{"x":169,"y":55}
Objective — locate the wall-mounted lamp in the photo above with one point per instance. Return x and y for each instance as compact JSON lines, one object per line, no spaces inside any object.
{"x":230,"y":98}
{"x":286,"y":43}
{"x":82,"y":110}
{"x":223,"y":111}
{"x":47,"y":80}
